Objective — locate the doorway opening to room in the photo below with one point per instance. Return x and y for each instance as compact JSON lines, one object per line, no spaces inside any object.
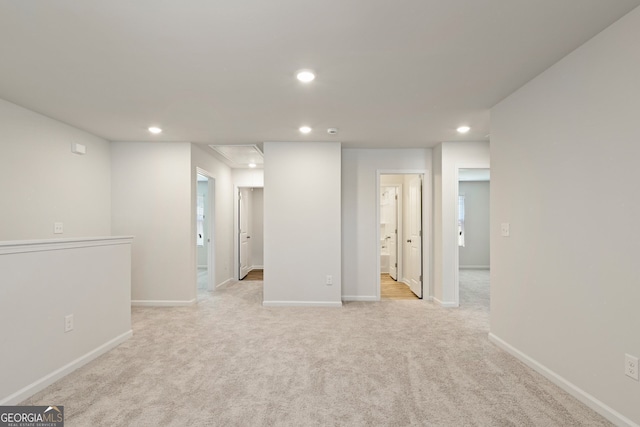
{"x":205,"y":190}
{"x":250,"y":233}
{"x":473,"y":237}
{"x":400,"y":236}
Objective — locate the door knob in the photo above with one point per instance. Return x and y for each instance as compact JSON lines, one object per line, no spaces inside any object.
{"x":409,"y":241}
{"x":248,"y":237}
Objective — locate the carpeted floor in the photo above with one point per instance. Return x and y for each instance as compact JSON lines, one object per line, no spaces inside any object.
{"x":231,"y":362}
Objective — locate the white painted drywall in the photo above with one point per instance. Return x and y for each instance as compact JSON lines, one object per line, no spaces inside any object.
{"x":302,"y":223}
{"x":359,"y":215}
{"x":152,"y":200}
{"x":257,"y":228}
{"x":248,"y":177}
{"x":44,"y":281}
{"x":565,"y":286}
{"x":42,"y":181}
{"x":223,"y":234}
{"x":448,"y":158}
{"x":475,"y":252}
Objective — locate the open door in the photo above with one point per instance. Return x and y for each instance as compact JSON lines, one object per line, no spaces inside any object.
{"x":415,"y":235}
{"x":244,"y":237}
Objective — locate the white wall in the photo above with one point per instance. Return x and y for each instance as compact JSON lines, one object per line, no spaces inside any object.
{"x":42,"y":181}
{"x":475,"y":252}
{"x":151,"y":200}
{"x":223,"y":234}
{"x":248,"y":177}
{"x":257,"y":228}
{"x":448,"y":158}
{"x":565,"y":285}
{"x":44,"y":281}
{"x":359,"y":215}
{"x":302,"y":223}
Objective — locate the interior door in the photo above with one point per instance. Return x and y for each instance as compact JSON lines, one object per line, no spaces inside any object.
{"x":244,"y":242}
{"x":392,"y":233}
{"x":415,"y":235}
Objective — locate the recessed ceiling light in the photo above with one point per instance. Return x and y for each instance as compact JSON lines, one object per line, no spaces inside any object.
{"x":305,"y":129}
{"x":463,"y":129}
{"x":252,"y":165}
{"x":155,"y":130}
{"x":305,"y":76}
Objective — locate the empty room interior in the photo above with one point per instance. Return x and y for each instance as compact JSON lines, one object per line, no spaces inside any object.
{"x":321,"y":213}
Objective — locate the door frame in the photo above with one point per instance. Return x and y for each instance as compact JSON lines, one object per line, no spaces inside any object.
{"x":427,"y":241}
{"x":239,"y":231}
{"x":236,"y":228}
{"x":210,"y":217}
{"x":399,"y":223}
{"x":456,"y":254}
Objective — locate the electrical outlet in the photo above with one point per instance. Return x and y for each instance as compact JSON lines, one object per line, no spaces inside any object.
{"x":505,"y":229}
{"x":58,"y":228}
{"x":631,"y":366}
{"x":68,"y":323}
{"x":329,"y":279}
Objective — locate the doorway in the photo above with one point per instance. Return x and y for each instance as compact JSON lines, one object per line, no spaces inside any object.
{"x":250,"y":233}
{"x":473,"y":238}
{"x":400,"y":236}
{"x":205,"y":187}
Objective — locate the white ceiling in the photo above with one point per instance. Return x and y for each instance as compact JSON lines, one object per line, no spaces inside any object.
{"x":401,"y":73}
{"x":474,"y":175}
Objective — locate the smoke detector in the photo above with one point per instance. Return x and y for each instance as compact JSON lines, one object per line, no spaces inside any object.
{"x":332,"y":131}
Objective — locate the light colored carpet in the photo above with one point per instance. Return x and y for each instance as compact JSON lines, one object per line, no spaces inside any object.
{"x":230,"y":362}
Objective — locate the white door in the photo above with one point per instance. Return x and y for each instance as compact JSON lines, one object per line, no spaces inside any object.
{"x":415,"y":235}
{"x":392,"y":233}
{"x":244,"y":222}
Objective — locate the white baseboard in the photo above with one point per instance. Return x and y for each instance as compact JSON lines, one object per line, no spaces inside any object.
{"x":473,"y":267}
{"x":446,"y":304}
{"x":358,"y":298}
{"x":162,"y":303}
{"x":302,"y":304}
{"x":584,"y":397}
{"x":229,"y":280}
{"x":54,"y":376}
{"x":429,"y":298}
{"x":256,"y":267}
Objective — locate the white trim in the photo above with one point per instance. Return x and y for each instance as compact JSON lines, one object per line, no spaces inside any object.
{"x":54,"y":376}
{"x":302,"y":304}
{"x":202,"y":267}
{"x":474,"y":267}
{"x":360,"y":298}
{"x":229,"y":280}
{"x":446,"y":304}
{"x":162,"y":303}
{"x":22,"y":246}
{"x":256,"y":267}
{"x":584,"y":397}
